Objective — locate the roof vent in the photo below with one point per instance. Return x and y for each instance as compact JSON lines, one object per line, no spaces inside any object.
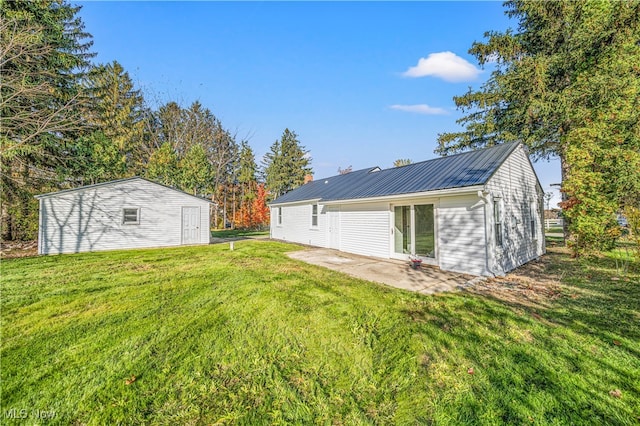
{"x":375,"y":169}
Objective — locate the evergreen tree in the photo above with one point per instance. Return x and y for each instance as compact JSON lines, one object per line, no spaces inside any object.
{"x":43,"y":56}
{"x":566,"y":84}
{"x":247,"y":182}
{"x":286,"y":164}
{"x":116,"y":110}
{"x":162,"y":166}
{"x":195,"y":170}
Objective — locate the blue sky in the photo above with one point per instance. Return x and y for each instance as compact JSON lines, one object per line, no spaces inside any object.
{"x":361,"y":83}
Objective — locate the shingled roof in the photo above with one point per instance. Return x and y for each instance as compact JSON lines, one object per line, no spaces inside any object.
{"x":454,"y":171}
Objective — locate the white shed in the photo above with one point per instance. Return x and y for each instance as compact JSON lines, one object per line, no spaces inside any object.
{"x":479,"y":212}
{"x":120,"y":214}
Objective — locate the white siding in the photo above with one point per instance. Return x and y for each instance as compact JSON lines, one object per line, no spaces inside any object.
{"x":461,"y":234}
{"x":91,"y":219}
{"x":516,"y":186}
{"x":365,"y":229}
{"x":296,"y":225}
{"x":464,"y":223}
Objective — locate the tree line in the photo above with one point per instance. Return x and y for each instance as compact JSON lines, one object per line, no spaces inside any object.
{"x":66,"y":122}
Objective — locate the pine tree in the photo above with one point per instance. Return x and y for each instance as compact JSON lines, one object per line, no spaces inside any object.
{"x":247,"y":181}
{"x":286,"y":164}
{"x":194,"y":171}
{"x":43,"y":56}
{"x":566,"y":84}
{"x":117,"y":110}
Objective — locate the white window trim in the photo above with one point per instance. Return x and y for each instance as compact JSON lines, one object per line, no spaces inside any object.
{"x":279,"y":216}
{"x":498,"y":221}
{"x":125,"y":222}
{"x":533,"y":223}
{"x":316,"y":215}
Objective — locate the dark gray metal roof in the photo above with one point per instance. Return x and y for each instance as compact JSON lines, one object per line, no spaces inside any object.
{"x":455,"y":171}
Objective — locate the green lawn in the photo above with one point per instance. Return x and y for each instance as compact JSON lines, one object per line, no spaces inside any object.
{"x":252,"y":337}
{"x":238,"y":233}
{"x":553,"y":230}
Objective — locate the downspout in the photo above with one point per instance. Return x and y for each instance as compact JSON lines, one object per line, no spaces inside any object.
{"x":483,"y":196}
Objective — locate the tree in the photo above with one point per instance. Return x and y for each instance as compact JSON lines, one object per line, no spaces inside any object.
{"x":346,"y":170}
{"x":402,"y":162}
{"x":43,"y":56}
{"x":286,"y":164}
{"x":177,"y":134}
{"x":194,"y":170}
{"x":260,"y":208}
{"x":566,"y":84}
{"x":247,"y":181}
{"x":162,"y":165}
{"x":96,"y":159}
{"x":117,"y":109}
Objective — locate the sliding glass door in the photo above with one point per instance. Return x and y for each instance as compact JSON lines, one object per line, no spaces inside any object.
{"x":414,"y":231}
{"x":402,"y":229}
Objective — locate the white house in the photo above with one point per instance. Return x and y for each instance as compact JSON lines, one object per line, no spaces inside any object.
{"x":479,"y":212}
{"x":124,"y":213}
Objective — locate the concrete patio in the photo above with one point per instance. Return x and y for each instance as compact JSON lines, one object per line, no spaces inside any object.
{"x":395,"y":273}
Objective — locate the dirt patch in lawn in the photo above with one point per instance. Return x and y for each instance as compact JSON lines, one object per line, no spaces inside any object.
{"x":532,"y":284}
{"x":15,"y":249}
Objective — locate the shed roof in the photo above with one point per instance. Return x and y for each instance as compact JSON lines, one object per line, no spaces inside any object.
{"x":114,"y":182}
{"x":454,"y":171}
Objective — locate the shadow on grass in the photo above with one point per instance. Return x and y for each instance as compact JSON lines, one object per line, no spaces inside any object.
{"x":560,"y":357}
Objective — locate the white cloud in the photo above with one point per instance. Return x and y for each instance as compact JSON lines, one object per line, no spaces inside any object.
{"x":420,"y":109}
{"x":445,"y":65}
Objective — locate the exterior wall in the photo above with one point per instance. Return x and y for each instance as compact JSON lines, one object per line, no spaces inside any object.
{"x":362,"y":228}
{"x":365,"y":229}
{"x":91,"y":219}
{"x":461,"y":234}
{"x":516,"y":188}
{"x":465,"y":231}
{"x":296,"y":224}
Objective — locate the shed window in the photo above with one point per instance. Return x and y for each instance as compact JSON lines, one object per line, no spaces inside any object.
{"x":130,"y":216}
{"x":314,"y":215}
{"x":534,"y":231}
{"x":497,"y":219}
{"x":279,"y":215}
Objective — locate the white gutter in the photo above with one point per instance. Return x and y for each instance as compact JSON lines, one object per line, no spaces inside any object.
{"x":292,"y":203}
{"x":437,"y":193}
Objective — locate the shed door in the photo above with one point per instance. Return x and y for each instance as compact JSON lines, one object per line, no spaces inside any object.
{"x":190,"y":225}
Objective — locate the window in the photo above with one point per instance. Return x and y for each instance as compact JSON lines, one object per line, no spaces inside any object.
{"x":314,"y":215}
{"x":497,"y":219}
{"x":130,"y":216}
{"x":532,"y":218}
{"x":279,"y":215}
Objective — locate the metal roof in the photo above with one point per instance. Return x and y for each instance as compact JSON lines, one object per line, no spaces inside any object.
{"x":455,"y":171}
{"x":112,"y":182}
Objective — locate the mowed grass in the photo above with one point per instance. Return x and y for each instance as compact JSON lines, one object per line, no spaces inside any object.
{"x":239,"y":233}
{"x":204,"y":335}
